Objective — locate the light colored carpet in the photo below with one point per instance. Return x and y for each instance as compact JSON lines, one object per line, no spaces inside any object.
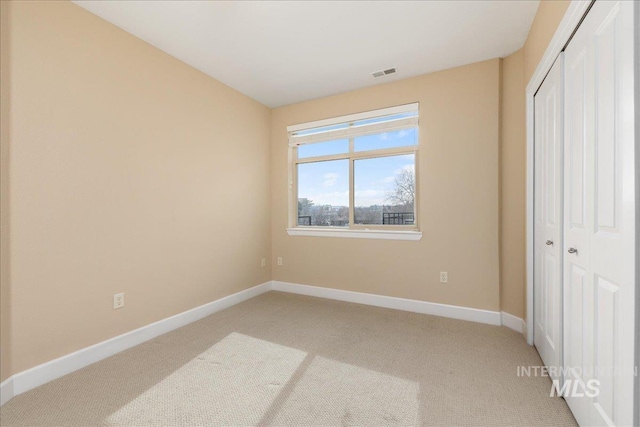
{"x":289,"y":360}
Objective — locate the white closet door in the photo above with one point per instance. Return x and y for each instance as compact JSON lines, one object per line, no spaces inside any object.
{"x":599,"y":220}
{"x":578,"y":302}
{"x":548,"y":218}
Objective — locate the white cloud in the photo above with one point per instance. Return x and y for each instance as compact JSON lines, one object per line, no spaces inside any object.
{"x":411,"y":168}
{"x":388,"y":180}
{"x":370,"y":197}
{"x":336,"y":198}
{"x":391,"y":179}
{"x":330,"y":179}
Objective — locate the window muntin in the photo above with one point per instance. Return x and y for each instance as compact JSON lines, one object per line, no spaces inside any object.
{"x":345,"y":174}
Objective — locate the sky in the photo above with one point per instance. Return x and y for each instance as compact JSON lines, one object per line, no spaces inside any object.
{"x":327,"y":183}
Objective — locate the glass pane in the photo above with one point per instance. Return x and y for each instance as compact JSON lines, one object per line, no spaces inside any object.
{"x":396,"y":138}
{"x":323,"y":193}
{"x":385,"y":190}
{"x":340,"y":146}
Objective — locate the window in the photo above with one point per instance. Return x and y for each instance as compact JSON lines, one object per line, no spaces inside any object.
{"x":356,"y":172}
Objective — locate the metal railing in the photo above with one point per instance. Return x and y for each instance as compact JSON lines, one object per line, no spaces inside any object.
{"x":388,"y":218}
{"x":398,"y":218}
{"x":304,"y":219}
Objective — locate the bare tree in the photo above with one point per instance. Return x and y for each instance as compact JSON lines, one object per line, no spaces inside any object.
{"x":304,"y":205}
{"x":368,"y":214}
{"x":404,"y":193}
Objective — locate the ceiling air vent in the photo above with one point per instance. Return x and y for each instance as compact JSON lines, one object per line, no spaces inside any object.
{"x":382,"y":73}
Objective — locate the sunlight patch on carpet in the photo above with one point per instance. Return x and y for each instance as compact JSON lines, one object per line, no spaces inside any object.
{"x":237,"y":379}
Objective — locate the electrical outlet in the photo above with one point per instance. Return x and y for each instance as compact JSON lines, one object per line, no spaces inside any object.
{"x":444,"y":277}
{"x":263,"y":262}
{"x":279,"y":260}
{"x":118,"y":301}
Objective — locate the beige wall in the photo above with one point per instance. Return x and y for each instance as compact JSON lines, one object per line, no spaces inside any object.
{"x":130,"y":172}
{"x":517,"y":70}
{"x":512,"y":187}
{"x":458,"y":195}
{"x":545,"y":23}
{"x":5,"y":290}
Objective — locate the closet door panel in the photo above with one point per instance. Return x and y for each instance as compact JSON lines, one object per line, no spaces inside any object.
{"x":576,"y":151}
{"x":578,"y":286}
{"x":606,"y":297}
{"x":606,"y":209}
{"x":607,"y":191}
{"x":548,"y":219}
{"x":612,"y":241}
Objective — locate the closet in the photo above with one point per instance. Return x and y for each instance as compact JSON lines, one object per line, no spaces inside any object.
{"x":584,"y":218}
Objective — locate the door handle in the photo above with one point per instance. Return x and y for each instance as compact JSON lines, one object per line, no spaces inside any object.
{"x":572,"y":251}
{"x":549,"y":242}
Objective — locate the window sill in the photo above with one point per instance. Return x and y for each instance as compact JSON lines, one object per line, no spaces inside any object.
{"x":357,"y":234}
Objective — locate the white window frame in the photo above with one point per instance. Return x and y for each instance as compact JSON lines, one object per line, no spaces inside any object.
{"x":365,"y":231}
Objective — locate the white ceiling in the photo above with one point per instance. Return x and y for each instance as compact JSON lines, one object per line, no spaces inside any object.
{"x":282,"y":52}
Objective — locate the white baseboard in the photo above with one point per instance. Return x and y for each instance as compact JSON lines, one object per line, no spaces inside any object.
{"x":423,"y":307}
{"x":49,"y":371}
{"x":6,"y":390}
{"x":513,"y":322}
